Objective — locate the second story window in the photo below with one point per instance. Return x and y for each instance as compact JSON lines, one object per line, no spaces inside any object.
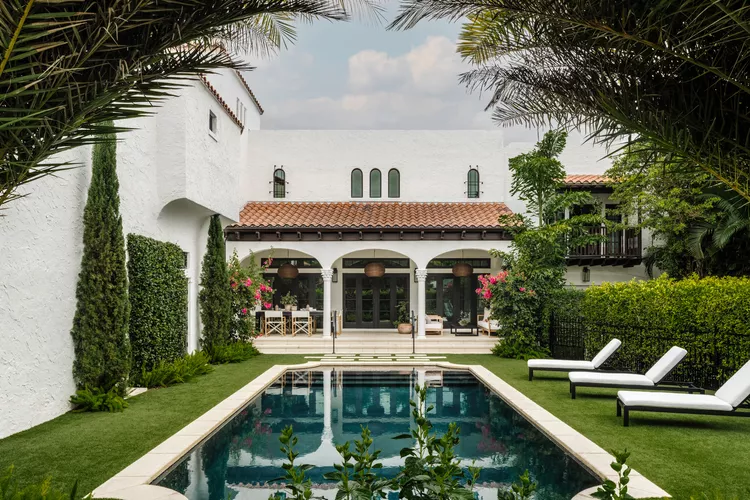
{"x":394,"y":183}
{"x":241,"y":111}
{"x":357,"y":183}
{"x":472,"y":183}
{"x":213,"y":123}
{"x":279,"y":183}
{"x":375,"y":183}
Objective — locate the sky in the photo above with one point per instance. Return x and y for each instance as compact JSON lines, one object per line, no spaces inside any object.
{"x":359,"y":75}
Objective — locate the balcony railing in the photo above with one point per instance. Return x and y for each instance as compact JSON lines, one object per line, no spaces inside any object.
{"x":619,"y":247}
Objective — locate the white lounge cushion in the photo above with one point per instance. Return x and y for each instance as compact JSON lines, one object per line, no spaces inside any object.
{"x":606,"y":352}
{"x":560,"y":364}
{"x":433,"y":326}
{"x":666,"y":364}
{"x":674,"y":400}
{"x":610,"y":378}
{"x":492,"y":325}
{"x":736,"y":389}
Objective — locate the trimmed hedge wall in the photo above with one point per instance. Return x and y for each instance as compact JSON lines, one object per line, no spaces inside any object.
{"x":158,"y":300}
{"x":709,"y":317}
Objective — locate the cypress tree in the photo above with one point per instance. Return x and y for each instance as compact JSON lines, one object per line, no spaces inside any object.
{"x":215,"y":295}
{"x":100,"y":325}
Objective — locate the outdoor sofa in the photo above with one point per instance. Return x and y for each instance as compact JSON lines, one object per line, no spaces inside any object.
{"x":652,"y":380}
{"x":726,"y":401}
{"x":568,"y":365}
{"x":487,"y":325}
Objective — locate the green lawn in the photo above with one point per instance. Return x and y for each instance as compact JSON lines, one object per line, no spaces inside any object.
{"x":684,"y":454}
{"x":92,"y":447}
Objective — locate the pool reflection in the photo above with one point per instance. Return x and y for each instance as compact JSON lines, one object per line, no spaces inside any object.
{"x":327,"y":407}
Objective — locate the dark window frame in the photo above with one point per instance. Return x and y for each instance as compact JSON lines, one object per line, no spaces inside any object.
{"x":378,"y":184}
{"x":394,"y":187}
{"x":359,"y":184}
{"x":477,"y":263}
{"x":472,"y":185}
{"x":213,"y":122}
{"x":279,"y":183}
{"x":355,"y":263}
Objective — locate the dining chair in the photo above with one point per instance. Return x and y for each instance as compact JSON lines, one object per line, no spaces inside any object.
{"x":274,"y":322}
{"x":301,"y":323}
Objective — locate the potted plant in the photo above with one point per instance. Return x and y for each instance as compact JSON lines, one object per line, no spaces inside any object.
{"x":402,"y":322}
{"x":289,"y":301}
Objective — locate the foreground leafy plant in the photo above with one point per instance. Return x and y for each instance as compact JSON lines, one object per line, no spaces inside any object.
{"x":176,"y":372}
{"x":297,"y":483}
{"x":9,"y":489}
{"x":611,"y":491}
{"x":523,"y":489}
{"x":431,"y":470}
{"x":355,"y":476}
{"x":97,"y":400}
{"x":236,"y":352}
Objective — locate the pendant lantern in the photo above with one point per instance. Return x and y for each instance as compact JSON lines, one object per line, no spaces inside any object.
{"x":288,"y":271}
{"x":374,"y":270}
{"x":462,"y":269}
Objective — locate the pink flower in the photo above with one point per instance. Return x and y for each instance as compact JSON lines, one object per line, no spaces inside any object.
{"x":487,"y":295}
{"x":493,"y":280}
{"x":233,"y":284}
{"x":244,"y":310}
{"x":257,"y":295}
{"x":521,"y":289}
{"x":248,"y":282}
{"x":267,"y":411}
{"x":478,"y":291}
{"x":267,"y":305}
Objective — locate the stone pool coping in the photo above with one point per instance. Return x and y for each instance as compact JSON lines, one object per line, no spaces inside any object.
{"x":133,"y":482}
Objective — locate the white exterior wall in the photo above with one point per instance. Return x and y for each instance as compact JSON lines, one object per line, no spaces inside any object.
{"x":172,"y":175}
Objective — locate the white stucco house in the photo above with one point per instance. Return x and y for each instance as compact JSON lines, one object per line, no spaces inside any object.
{"x":328,"y":202}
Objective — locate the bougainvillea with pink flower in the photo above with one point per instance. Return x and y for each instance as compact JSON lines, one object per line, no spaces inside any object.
{"x":249,"y":290}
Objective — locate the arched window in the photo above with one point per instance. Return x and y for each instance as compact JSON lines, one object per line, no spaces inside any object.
{"x":279,"y":183}
{"x":394,"y":183}
{"x":375,"y":183}
{"x":472,"y":183}
{"x":356,"y":183}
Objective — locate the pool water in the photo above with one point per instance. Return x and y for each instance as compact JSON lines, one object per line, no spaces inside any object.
{"x":328,"y":407}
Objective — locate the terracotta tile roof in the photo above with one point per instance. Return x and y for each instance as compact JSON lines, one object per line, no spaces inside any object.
{"x":221,"y":101}
{"x":361,"y":215}
{"x":586,"y":180}
{"x":252,"y":95}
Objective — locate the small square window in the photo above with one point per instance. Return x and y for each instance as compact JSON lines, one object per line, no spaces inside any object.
{"x":185,"y":260}
{"x":213,"y":122}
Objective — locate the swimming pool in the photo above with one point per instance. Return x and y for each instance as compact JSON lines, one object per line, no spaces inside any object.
{"x":328,"y":406}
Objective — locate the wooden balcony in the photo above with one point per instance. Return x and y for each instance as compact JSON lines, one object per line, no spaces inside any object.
{"x":620,"y":248}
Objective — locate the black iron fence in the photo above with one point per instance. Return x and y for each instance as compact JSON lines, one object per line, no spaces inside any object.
{"x":711,"y":359}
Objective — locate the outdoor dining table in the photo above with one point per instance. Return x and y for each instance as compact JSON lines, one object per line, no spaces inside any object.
{"x":317,"y":315}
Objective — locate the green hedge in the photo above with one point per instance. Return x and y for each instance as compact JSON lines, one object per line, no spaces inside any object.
{"x":159,"y":302}
{"x":710,"y":317}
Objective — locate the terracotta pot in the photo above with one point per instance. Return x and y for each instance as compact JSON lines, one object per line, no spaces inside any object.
{"x":288,"y":307}
{"x":404,"y":328}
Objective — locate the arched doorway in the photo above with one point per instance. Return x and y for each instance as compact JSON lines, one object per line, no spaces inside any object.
{"x":372,"y":302}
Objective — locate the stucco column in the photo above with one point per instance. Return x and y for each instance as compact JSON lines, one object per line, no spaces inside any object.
{"x":327,"y":276}
{"x":421,"y":300}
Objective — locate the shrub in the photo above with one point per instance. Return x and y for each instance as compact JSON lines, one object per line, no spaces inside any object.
{"x":235,"y":352}
{"x":215,"y":295}
{"x":707,"y":316}
{"x":97,"y":399}
{"x":159,"y":301}
{"x":249,"y":289}
{"x":10,"y":490}
{"x":100,"y":325}
{"x":176,"y":372}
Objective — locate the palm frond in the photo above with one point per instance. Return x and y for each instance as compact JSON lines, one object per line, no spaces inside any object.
{"x":669,"y":74}
{"x":69,"y":65}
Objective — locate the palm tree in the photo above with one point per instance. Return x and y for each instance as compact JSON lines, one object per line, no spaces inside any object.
{"x":672,"y":73}
{"x":69,"y":66}
{"x":732,"y":221}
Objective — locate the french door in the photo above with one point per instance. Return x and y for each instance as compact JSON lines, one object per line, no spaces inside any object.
{"x":372,"y":302}
{"x":451,"y":297}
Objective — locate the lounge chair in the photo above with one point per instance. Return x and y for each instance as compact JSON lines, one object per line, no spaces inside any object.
{"x":652,"y":380}
{"x":568,"y":365}
{"x":726,"y":401}
{"x":433,"y":324}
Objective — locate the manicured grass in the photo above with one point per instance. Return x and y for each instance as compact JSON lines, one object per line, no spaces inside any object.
{"x":92,"y":447}
{"x":684,"y":454}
